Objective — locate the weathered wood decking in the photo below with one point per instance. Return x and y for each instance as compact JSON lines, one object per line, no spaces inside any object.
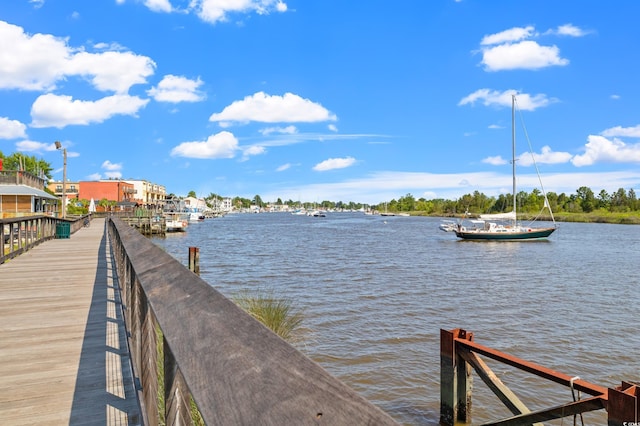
{"x":63,"y":350}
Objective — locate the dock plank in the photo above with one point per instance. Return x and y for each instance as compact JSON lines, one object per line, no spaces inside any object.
{"x":63,"y":351}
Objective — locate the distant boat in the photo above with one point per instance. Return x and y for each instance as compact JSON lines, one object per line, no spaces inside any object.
{"x":502,"y":226}
{"x":176,"y":221}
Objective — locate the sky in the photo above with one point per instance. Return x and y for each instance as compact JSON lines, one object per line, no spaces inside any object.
{"x":314,"y":100}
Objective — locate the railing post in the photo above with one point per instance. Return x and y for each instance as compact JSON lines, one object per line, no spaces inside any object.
{"x":622,"y":405}
{"x":455,"y":380}
{"x":194,"y":260}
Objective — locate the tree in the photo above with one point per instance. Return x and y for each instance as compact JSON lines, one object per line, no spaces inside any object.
{"x":587,"y":199}
{"x":258,"y":201}
{"x":19,"y":161}
{"x":192,"y":194}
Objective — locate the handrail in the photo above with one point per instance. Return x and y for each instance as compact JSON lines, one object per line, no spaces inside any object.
{"x":24,"y":233}
{"x":235,"y":369}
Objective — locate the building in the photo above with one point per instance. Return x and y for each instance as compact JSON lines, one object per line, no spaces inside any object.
{"x":148,"y":194}
{"x":22,"y":194}
{"x":114,"y":191}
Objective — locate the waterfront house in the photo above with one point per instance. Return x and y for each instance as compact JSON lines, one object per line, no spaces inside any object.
{"x":22,"y":194}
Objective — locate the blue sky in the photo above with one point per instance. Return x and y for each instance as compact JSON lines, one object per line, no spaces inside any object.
{"x":327,"y":99}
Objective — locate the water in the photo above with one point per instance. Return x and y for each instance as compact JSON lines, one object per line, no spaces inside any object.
{"x":377,"y":290}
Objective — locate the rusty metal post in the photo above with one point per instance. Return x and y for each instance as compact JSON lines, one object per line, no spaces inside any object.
{"x":623,"y":405}
{"x":455,"y":380}
{"x":194,"y":260}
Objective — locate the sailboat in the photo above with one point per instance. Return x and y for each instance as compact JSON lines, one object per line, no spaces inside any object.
{"x":504,"y":226}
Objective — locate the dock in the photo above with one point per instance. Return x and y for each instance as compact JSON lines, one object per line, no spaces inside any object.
{"x":63,"y":346}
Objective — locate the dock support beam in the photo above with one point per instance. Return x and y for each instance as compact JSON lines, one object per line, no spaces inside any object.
{"x":623,"y":405}
{"x":456,"y":381}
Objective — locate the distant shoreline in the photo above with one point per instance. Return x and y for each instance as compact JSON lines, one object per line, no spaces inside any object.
{"x":596,"y":217}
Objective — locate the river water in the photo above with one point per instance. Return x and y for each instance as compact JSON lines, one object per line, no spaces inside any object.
{"x":376,"y":291}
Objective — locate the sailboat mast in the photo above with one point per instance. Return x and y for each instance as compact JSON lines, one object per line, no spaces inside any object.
{"x":513,"y":148}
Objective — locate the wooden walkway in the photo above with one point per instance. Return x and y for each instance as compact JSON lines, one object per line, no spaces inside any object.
{"x":63,"y":347}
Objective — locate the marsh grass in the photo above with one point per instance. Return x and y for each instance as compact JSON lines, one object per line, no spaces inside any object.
{"x":276,"y":313}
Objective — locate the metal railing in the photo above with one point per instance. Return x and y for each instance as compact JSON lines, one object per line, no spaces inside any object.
{"x":459,"y":354}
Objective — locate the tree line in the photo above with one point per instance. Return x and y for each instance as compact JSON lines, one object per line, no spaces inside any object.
{"x":584,"y":200}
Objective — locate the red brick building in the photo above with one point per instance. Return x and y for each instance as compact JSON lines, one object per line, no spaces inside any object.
{"x":112,"y":190}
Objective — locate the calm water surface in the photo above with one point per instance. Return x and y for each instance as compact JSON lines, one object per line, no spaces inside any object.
{"x":377,"y":290}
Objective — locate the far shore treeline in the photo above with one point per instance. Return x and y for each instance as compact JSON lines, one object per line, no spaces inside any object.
{"x":621,"y":206}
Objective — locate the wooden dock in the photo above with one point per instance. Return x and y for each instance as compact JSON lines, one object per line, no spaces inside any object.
{"x":63,"y":347}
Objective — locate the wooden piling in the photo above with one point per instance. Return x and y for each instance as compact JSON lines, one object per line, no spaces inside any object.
{"x":194,"y":260}
{"x":456,"y":381}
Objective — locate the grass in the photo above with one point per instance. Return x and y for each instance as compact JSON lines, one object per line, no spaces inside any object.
{"x":276,"y":313}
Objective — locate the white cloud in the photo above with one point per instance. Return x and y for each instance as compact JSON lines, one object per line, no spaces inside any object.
{"x":265,"y":108}
{"x":12,"y":129}
{"x":495,"y":161}
{"x":283,"y":167}
{"x":28,"y":146}
{"x":513,"y":49}
{"x":254,"y":150}
{"x":112,"y":167}
{"x":213,"y":11}
{"x":289,"y":130}
{"x":525,"y":102}
{"x":523,"y":55}
{"x":41,"y":61}
{"x":619,"y":131}
{"x":158,"y":5}
{"x":570,"y":30}
{"x":220,"y":145}
{"x":507,"y":36}
{"x":334,"y":163}
{"x":111,"y":71}
{"x":30,"y":62}
{"x":600,"y":149}
{"x":176,"y":89}
{"x":94,"y":176}
{"x":546,"y":156}
{"x":59,"y":111}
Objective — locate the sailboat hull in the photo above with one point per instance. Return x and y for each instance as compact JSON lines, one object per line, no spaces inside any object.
{"x":524,"y":234}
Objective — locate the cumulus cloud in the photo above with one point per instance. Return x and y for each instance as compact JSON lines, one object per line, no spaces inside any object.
{"x":41,"y":61}
{"x":176,"y":89}
{"x":495,"y":161}
{"x":265,"y":108}
{"x":619,"y":131}
{"x":571,"y":30}
{"x":334,"y":163}
{"x":213,"y":11}
{"x":12,"y":129}
{"x":513,"y":49}
{"x":546,"y":156}
{"x":158,"y":5}
{"x":220,"y":145}
{"x":40,"y":69}
{"x":108,"y":165}
{"x":59,"y":111}
{"x":600,"y":149}
{"x":525,"y":102}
